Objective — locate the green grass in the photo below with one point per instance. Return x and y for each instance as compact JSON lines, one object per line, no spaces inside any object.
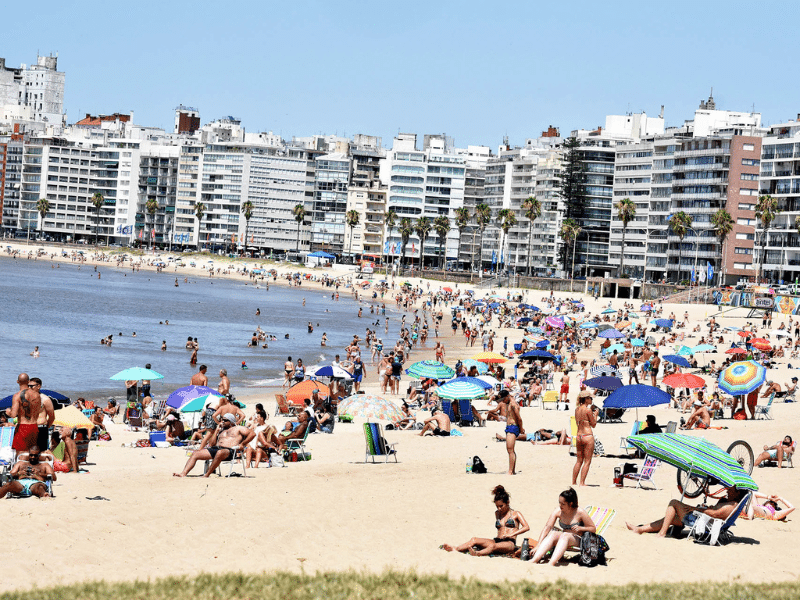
{"x":393,"y":585}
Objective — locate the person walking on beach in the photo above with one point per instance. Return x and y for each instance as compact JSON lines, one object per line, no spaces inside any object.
{"x":224,"y":387}
{"x":513,"y":428}
{"x":200,"y":378}
{"x":586,"y":418}
{"x":26,"y":405}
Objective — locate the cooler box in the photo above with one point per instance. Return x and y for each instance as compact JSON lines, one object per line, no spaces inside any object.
{"x":158,"y":436}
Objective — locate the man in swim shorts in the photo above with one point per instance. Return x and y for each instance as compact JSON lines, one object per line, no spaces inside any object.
{"x":513,"y":428}
{"x":438,"y":424}
{"x":46,"y":414}
{"x":25,"y":406}
{"x":200,"y":378}
{"x":226,"y":439}
{"x":29,"y":476}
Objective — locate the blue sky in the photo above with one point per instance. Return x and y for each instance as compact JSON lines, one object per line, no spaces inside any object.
{"x":474,"y":70}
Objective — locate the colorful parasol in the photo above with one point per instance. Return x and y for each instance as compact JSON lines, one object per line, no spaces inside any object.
{"x":743,"y":377}
{"x":370,"y":407}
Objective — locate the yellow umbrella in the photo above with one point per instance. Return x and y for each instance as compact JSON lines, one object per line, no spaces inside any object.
{"x":69,"y":416}
{"x":490,"y":357}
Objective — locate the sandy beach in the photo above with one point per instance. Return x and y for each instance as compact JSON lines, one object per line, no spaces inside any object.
{"x":128,"y":518}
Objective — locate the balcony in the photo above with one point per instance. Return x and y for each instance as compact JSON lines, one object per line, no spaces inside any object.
{"x":717,"y":166}
{"x":700,"y":196}
{"x":705,"y":152}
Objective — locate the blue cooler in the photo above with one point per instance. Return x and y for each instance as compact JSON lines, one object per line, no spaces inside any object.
{"x":158,"y":436}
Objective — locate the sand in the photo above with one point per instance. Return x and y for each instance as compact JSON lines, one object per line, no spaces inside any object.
{"x":128,"y":518}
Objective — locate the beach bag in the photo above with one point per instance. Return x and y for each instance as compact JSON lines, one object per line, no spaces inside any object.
{"x":740,"y":415}
{"x":145,"y":443}
{"x":276,"y":460}
{"x":593,"y":550}
{"x":477,"y":465}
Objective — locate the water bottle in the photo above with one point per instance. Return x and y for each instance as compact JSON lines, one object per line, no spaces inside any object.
{"x":469,"y":465}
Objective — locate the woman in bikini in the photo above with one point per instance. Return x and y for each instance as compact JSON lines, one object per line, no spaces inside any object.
{"x":586,"y":418}
{"x":563,"y":529}
{"x":769,"y":510}
{"x":509,"y":523}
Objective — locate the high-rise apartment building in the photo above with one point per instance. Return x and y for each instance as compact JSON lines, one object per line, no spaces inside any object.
{"x":32,"y":93}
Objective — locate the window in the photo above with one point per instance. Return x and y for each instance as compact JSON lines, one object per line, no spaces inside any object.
{"x":748,"y":192}
{"x":745,"y":236}
{"x":745,"y":221}
{"x":742,"y":266}
{"x":749,"y":176}
{"x":748,"y":147}
{"x":743,"y":206}
{"x":743,"y":250}
{"x":751,"y":162}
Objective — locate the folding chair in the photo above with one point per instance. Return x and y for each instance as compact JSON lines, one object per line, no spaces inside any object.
{"x":623,"y":442}
{"x":283,"y":408}
{"x":715,"y":532}
{"x":235,"y":457}
{"x":551,"y":398}
{"x":672,"y":427}
{"x":376,"y":443}
{"x":645,"y":475}
{"x":447,"y":408}
{"x":765,"y":410}
{"x":465,"y":413}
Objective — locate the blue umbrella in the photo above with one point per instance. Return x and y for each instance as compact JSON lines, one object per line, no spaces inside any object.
{"x":537,"y":354}
{"x":617,"y":347}
{"x":543,"y":344}
{"x":603,"y":383}
{"x":474,"y":381}
{"x":588,"y":325}
{"x":635,"y":396}
{"x":645,"y":307}
{"x":469,"y":363}
{"x":665,"y":323}
{"x":535,"y":330}
{"x":135,"y":374}
{"x":611,"y":334}
{"x":60,"y":399}
{"x":494,"y":304}
{"x":609,"y":311}
{"x":185,"y":394}
{"x":677,"y":360}
{"x":523,"y":320}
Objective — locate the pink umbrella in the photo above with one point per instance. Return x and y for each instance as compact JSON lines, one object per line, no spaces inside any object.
{"x":555,"y":322}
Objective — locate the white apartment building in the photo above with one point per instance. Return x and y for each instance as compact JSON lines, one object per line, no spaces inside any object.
{"x":32,"y":93}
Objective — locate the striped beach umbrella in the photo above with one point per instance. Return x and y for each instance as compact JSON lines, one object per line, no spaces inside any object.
{"x":743,"y":377}
{"x":603,"y":371}
{"x":695,"y":456}
{"x":460,"y":390}
{"x":432,"y":369}
{"x":479,"y":381}
{"x":490,"y":357}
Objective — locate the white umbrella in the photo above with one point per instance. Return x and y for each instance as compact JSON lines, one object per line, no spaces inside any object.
{"x":488,"y":379}
{"x":779,"y":332}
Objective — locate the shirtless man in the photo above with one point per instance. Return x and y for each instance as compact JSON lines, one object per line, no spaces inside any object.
{"x":28,"y":476}
{"x":513,"y":429}
{"x":678,"y":511}
{"x":200,"y":378}
{"x":438,"y":424}
{"x":224,"y":387}
{"x":25,"y":406}
{"x":228,"y":437}
{"x":564,"y":392}
{"x":288,"y":372}
{"x":223,"y":409}
{"x":655,"y":362}
{"x":46,"y":413}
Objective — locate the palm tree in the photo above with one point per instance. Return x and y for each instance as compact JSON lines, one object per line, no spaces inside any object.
{"x":679,"y":225}
{"x":97,"y":202}
{"x":723,"y":225}
{"x":199,"y":212}
{"x":389,"y":218}
{"x":405,"y":228}
{"x":506,"y":220}
{"x":766,"y":211}
{"x":483,"y":214}
{"x":532,"y":210}
{"x":352,"y":219}
{"x":151,"y":206}
{"x":422,"y":228}
{"x":43,"y":206}
{"x":299,"y":212}
{"x":441,"y":225}
{"x":569,"y":232}
{"x":247,"y":211}
{"x":462,"y":222}
{"x":626,"y":211}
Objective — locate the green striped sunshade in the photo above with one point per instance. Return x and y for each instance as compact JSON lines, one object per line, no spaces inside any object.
{"x":460,"y":390}
{"x":695,"y":455}
{"x":430,"y":369}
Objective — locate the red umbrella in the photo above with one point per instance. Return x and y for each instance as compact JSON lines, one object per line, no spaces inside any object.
{"x":759,"y":341}
{"x":447,"y":289}
{"x":761,"y":345}
{"x":735,"y":351}
{"x":684,"y":380}
{"x":744,"y":334}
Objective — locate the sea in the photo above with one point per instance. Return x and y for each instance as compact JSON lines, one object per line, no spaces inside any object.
{"x":65,"y":309}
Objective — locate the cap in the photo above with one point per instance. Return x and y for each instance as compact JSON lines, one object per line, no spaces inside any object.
{"x":170,"y":417}
{"x":794,"y":378}
{"x":230,"y":418}
{"x":584,"y":394}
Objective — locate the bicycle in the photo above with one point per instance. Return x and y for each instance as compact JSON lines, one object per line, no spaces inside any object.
{"x":695,"y":484}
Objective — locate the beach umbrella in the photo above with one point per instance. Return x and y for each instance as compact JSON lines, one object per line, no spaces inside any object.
{"x":523,"y":320}
{"x":543,"y":344}
{"x":469,"y":363}
{"x":760,"y":344}
{"x":732,"y":328}
{"x":197,"y":404}
{"x":59,"y":400}
{"x":370,"y":407}
{"x":744,"y":334}
{"x":611,"y":334}
{"x":183,"y":395}
{"x":490,"y":358}
{"x":665,"y":323}
{"x":676,"y":360}
{"x":588,"y":325}
{"x":637,"y":396}
{"x":637,"y":342}
{"x":331,"y":371}
{"x":617,"y":347}
{"x":604,"y":326}
{"x":608,"y":311}
{"x":459,"y":390}
{"x":603,"y":371}
{"x":430,"y":369}
{"x":69,"y":416}
{"x":538,"y":330}
{"x":488,"y":379}
{"x":604,"y":383}
{"x":743,"y":377}
{"x":685,"y":351}
{"x":448,"y":290}
{"x":645,"y":307}
{"x":779,"y":332}
{"x":623,"y":324}
{"x":704,"y":348}
{"x":684,"y":380}
{"x":736,"y":351}
{"x":299,"y":392}
{"x":555,"y":322}
{"x":695,"y":456}
{"x":479,"y":381}
{"x":544,"y":354}
{"x":135,"y":374}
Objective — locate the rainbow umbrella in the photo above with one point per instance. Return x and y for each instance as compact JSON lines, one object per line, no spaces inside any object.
{"x":743,"y":377}
{"x":460,"y":390}
{"x":370,"y":407}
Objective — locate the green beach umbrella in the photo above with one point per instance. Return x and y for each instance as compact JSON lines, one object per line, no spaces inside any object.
{"x":136,"y":373}
{"x":460,"y":390}
{"x":432,"y":369}
{"x":198,"y":403}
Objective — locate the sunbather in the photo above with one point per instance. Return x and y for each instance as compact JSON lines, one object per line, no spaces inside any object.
{"x":29,"y":476}
{"x":226,"y":438}
{"x":680,"y":514}
{"x":563,"y":529}
{"x":438,"y":424}
{"x":776,"y":452}
{"x":769,"y":510}
{"x":64,"y":451}
{"x":509,"y":523}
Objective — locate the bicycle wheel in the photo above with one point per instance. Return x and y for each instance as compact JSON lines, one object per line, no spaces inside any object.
{"x":690,"y":486}
{"x":743,"y":454}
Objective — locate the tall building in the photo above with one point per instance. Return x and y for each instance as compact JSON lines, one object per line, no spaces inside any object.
{"x":329,"y":205}
{"x":32,"y":93}
{"x":187,"y":120}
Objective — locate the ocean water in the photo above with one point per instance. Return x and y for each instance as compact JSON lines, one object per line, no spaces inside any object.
{"x":66,"y":311}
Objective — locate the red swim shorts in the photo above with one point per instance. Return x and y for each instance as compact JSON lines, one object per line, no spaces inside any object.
{"x":25,"y":436}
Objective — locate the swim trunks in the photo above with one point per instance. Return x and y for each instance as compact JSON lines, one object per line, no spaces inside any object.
{"x":441,"y":432}
{"x":27,"y":484}
{"x":512,"y":429}
{"x":212,"y":450}
{"x":25,"y":436}
{"x":565,"y":389}
{"x":43,"y":437}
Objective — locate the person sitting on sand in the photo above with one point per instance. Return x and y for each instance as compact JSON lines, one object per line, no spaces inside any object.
{"x":112,"y":409}
{"x":770,"y":510}
{"x":28,"y":476}
{"x":563,"y":529}
{"x":225,"y":440}
{"x":438,"y":424}
{"x":700,"y":417}
{"x":776,"y":452}
{"x":498,"y":413}
{"x":680,"y":514}
{"x":509,"y":523}
{"x":64,"y":451}
{"x":174,"y":430}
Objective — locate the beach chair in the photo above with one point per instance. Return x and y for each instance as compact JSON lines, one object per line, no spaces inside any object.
{"x":447,"y":408}
{"x":236,"y":458}
{"x":6,"y":452}
{"x":549,"y":385}
{"x":573,"y":428}
{"x":550,"y":398}
{"x":48,"y":482}
{"x":672,"y":427}
{"x":283,"y":408}
{"x":715,"y":532}
{"x":299,"y":445}
{"x":787,"y":456}
{"x":645,"y":475}
{"x":377,"y":444}
{"x":134,"y":417}
{"x":623,"y":442}
{"x":601,"y":517}
{"x":765,"y":410}
{"x":465,"y":413}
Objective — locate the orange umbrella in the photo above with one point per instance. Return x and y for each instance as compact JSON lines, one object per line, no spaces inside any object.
{"x":760,"y":344}
{"x":623,"y":325}
{"x":684,"y":380}
{"x":490,"y":357}
{"x":301,"y":391}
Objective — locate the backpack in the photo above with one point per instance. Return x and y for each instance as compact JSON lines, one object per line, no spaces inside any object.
{"x":593,"y":550}
{"x":477,"y":465}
